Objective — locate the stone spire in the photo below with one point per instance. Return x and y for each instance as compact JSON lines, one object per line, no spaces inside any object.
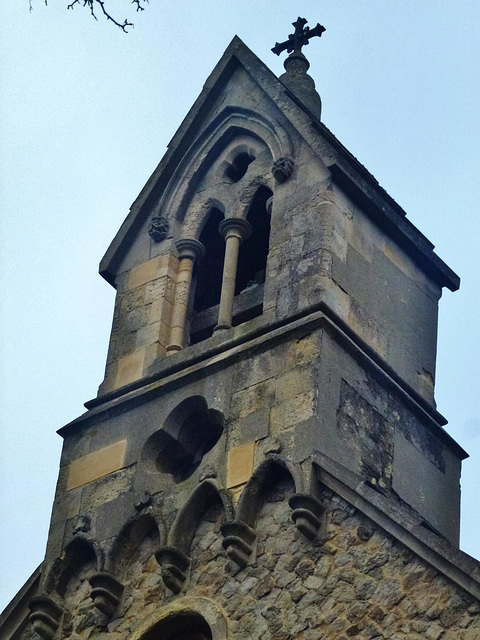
{"x":296,"y":65}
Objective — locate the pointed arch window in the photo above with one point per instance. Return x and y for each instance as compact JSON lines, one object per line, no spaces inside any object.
{"x":250,"y":273}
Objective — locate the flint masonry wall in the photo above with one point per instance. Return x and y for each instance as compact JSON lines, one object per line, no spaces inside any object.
{"x":354,"y":581}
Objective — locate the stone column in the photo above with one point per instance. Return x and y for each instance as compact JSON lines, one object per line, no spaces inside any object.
{"x":234,"y":230}
{"x":189,"y":250}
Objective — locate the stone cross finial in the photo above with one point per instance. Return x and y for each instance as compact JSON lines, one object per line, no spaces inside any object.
{"x":298,"y":39}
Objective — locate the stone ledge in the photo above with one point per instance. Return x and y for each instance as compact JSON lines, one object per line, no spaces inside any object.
{"x":219,"y":352}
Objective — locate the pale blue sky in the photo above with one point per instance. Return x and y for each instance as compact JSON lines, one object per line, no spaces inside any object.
{"x":86,"y":114}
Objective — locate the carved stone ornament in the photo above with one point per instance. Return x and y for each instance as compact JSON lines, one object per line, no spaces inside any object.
{"x":174,"y":565}
{"x":307,"y":514}
{"x":106,"y":592}
{"x":45,"y":616}
{"x":158,"y":228}
{"x":238,"y":539}
{"x":282,"y":169}
{"x":82,"y":524}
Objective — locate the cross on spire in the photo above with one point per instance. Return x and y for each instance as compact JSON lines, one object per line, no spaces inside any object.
{"x":298,"y":39}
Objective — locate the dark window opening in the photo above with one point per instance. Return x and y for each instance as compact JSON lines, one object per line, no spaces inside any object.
{"x":239,"y":166}
{"x":185,"y":626}
{"x":252,"y":259}
{"x":252,"y":264}
{"x":210,"y":270}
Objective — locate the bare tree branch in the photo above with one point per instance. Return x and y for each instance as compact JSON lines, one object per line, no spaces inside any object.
{"x":95,"y":4}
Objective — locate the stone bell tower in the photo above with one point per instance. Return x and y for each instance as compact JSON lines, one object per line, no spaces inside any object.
{"x":264,"y":457}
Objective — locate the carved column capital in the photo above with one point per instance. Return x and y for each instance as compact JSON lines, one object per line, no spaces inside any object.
{"x":235,"y":227}
{"x":190,"y":248}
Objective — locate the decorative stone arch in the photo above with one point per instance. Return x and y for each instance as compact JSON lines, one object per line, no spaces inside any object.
{"x":193,"y":211}
{"x":240,"y":535}
{"x":133,"y":533}
{"x":252,"y":495}
{"x":183,"y":529}
{"x":47,"y":608}
{"x":78,"y":552}
{"x":108,"y":585}
{"x":178,"y":615}
{"x":174,"y":558}
{"x":230,"y":123}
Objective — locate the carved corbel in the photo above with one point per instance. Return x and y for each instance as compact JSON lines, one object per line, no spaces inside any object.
{"x":238,"y":539}
{"x":282,"y":169}
{"x":174,"y":565}
{"x":106,"y":592}
{"x":45,"y":616}
{"x":307,"y":514}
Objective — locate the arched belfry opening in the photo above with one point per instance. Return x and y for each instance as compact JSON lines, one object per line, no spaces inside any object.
{"x":209,"y":274}
{"x":252,"y":260}
{"x":251,"y":268}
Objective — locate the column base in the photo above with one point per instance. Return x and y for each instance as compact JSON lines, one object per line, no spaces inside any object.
{"x":173,"y":348}
{"x":222,"y":326}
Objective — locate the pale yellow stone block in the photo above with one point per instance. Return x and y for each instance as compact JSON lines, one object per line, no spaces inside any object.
{"x":129,"y":368}
{"x":361,"y":241}
{"x":339,"y":246}
{"x":143,"y":273}
{"x":96,"y":465}
{"x":240,"y":464}
{"x":151,"y":270}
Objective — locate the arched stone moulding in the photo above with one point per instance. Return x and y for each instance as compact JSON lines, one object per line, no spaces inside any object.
{"x":198,"y":210}
{"x":307,"y":510}
{"x":47,"y":608}
{"x":130,"y":537}
{"x":230,"y":123}
{"x":240,"y":535}
{"x":108,"y":585}
{"x":202,"y":608}
{"x":78,"y":551}
{"x":252,"y":495}
{"x":174,"y":558}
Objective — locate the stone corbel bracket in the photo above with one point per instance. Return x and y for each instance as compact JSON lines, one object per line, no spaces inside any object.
{"x":282,"y":169}
{"x":238,"y":541}
{"x":106,"y":592}
{"x":45,"y":616}
{"x":307,"y":514}
{"x":174,"y":566}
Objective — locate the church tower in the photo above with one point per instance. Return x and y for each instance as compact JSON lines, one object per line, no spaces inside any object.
{"x":264,"y":458}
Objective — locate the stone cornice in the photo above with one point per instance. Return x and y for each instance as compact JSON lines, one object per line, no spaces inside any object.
{"x":220,"y":351}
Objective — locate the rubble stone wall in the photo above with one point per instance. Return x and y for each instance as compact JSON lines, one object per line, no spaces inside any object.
{"x":353,"y":581}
